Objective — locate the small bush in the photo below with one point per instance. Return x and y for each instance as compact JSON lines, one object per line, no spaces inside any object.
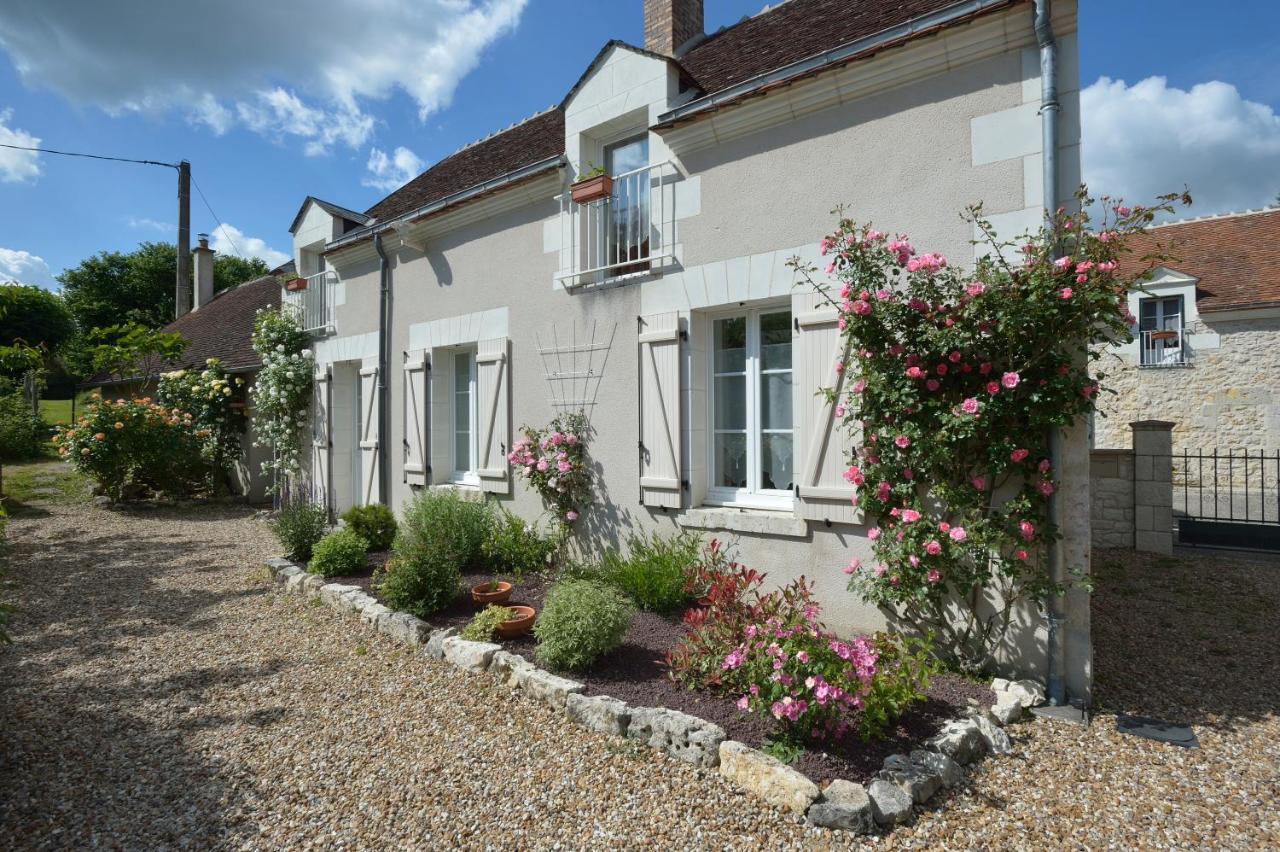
{"x":338,"y":553}
{"x":374,"y":523}
{"x":441,"y":536}
{"x":655,"y":573}
{"x":484,"y":626}
{"x":21,"y":432}
{"x":298,"y":526}
{"x":515,"y":547}
{"x":581,"y":621}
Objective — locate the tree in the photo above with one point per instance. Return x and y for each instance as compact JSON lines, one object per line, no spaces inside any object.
{"x":229,"y":270}
{"x":34,"y":316}
{"x":133,"y":351}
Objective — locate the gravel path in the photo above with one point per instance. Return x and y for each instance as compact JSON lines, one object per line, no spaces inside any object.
{"x":162,"y":695}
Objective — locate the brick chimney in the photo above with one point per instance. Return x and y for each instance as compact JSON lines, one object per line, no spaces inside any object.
{"x":670,"y":23}
{"x":202,"y":272}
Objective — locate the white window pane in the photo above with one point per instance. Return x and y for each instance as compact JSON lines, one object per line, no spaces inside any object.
{"x":730,"y":345}
{"x":775,"y":401}
{"x":777,"y":461}
{"x":775,"y":341}
{"x":462,"y":412}
{"x":730,"y":461}
{"x":731,"y":402}
{"x":462,"y":450}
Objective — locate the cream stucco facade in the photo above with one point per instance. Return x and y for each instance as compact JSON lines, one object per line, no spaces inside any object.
{"x":905,"y":139}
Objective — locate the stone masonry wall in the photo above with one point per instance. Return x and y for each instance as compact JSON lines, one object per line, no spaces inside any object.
{"x":1227,"y":397}
{"x":1111,"y":496}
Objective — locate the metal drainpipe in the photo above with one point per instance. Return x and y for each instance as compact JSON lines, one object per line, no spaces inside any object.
{"x":1049,"y":109}
{"x":384,"y":310}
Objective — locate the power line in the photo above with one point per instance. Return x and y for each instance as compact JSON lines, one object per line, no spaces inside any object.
{"x":89,"y":156}
{"x":225,"y":232}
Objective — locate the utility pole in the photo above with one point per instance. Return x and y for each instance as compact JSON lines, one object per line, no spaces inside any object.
{"x":182,"y":293}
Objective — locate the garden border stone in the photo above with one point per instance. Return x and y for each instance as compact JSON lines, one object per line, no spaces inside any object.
{"x":886,"y":801}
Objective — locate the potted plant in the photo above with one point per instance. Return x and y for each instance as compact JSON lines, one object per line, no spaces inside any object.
{"x":296,"y":284}
{"x":492,"y":592}
{"x":519,"y":621}
{"x":1166,"y":334}
{"x":592,"y":184}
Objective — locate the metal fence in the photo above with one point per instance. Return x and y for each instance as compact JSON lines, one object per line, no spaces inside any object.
{"x":1227,"y":497}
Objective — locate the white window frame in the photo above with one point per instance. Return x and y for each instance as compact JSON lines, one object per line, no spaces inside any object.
{"x":1162,"y":318}
{"x":753,"y":496}
{"x":469,"y":474}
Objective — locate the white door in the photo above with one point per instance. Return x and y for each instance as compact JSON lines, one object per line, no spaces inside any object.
{"x":356,"y":478}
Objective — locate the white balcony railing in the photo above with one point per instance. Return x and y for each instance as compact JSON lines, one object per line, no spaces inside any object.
{"x":1162,"y":348}
{"x":629,"y":231}
{"x":315,"y":303}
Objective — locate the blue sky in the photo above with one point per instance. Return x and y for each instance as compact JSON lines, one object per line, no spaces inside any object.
{"x":266,"y":108}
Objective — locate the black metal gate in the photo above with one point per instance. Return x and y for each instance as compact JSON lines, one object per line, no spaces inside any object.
{"x":1227,"y":498}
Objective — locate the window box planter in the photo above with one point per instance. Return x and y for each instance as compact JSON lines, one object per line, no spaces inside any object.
{"x":295,"y":285}
{"x":1164,"y":335}
{"x":592,"y":189}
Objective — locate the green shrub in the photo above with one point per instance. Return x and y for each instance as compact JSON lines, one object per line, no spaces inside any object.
{"x":515,"y":547}
{"x":484,"y":626}
{"x":581,"y":621}
{"x":21,"y":432}
{"x":338,"y":553}
{"x":655,"y":572}
{"x":441,"y":536}
{"x":298,"y":526}
{"x":374,"y":523}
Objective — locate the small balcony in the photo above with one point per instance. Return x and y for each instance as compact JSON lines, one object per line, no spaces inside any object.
{"x":629,"y":231}
{"x":1162,"y":348}
{"x":315,"y":302}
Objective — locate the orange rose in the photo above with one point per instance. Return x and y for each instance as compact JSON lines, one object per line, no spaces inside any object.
{"x":101,"y":436}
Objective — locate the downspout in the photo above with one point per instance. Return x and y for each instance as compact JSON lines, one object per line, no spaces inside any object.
{"x":1049,"y":109}
{"x":384,"y":402}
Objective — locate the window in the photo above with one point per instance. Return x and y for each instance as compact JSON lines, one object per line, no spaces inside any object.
{"x":464,"y":417}
{"x":628,"y":230}
{"x":752,"y":432}
{"x":1160,"y":331}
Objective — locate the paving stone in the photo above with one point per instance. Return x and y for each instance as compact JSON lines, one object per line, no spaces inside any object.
{"x":766,"y":777}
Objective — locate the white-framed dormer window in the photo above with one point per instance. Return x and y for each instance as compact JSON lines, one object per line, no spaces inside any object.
{"x":1161,"y":331}
{"x":465,"y":448}
{"x":751,"y":416}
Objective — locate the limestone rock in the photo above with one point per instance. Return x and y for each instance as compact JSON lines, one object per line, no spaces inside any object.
{"x":959,"y":740}
{"x":997,"y":741}
{"x":1026,"y":692}
{"x":947,"y":769}
{"x":374,"y":612}
{"x":766,"y":777}
{"x":472,"y":656}
{"x":403,"y":627}
{"x":680,"y":735}
{"x":331,"y":593}
{"x":916,"y":779}
{"x":546,"y":687}
{"x":435,"y":642}
{"x":311,"y":584}
{"x":600,"y":713}
{"x":844,"y":805}
{"x":294,"y":582}
{"x":1007,"y":710}
{"x":889,"y":804}
{"x":503,"y":666}
{"x":274,"y":565}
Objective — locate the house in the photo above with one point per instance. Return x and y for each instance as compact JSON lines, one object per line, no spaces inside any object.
{"x":219,"y":325}
{"x":1208,"y":327}
{"x":482,"y":296}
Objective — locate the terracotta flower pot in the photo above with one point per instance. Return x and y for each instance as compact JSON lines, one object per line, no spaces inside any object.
{"x":483,"y":595}
{"x":296,"y":285}
{"x":520,"y":624}
{"x":1164,"y":335}
{"x":591,"y":189}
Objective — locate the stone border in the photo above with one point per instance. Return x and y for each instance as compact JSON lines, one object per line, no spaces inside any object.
{"x":905,"y":781}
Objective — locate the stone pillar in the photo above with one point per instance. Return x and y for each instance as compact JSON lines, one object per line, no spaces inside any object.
{"x":1153,"y":486}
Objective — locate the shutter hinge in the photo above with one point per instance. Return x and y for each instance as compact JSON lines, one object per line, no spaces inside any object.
{"x":684,"y":334}
{"x":684,"y":485}
{"x":797,"y":489}
{"x":795,"y":322}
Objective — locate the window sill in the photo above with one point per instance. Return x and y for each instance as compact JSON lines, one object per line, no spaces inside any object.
{"x":760,"y":521}
{"x":465,"y":490}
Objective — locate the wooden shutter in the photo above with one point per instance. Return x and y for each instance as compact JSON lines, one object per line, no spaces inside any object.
{"x":824,"y":493}
{"x":415,"y":418}
{"x":493,"y":390}
{"x":369,"y":440}
{"x":660,"y":425}
{"x":321,"y":442}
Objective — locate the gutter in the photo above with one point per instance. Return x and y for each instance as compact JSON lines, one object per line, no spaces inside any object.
{"x":384,"y":401}
{"x":500,"y":182}
{"x":837,"y":56}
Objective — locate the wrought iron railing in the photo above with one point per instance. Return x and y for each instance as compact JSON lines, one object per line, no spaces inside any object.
{"x":1163,"y":348}
{"x":628,"y":231}
{"x":316,"y":301}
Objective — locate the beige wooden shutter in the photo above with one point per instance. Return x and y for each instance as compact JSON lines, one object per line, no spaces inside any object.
{"x":415,"y":418}
{"x":321,"y":443}
{"x":369,"y":458}
{"x":440,"y":418}
{"x":493,"y":389}
{"x":824,"y":493}
{"x":660,"y":426}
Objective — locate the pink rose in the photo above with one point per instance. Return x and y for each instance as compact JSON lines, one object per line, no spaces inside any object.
{"x":1066,"y":293}
{"x":970,"y":406}
{"x":910,"y":516}
{"x":980,"y":483}
{"x":1027,"y":529}
{"x":571,"y":515}
{"x":958,"y":534}
{"x":933,"y":548}
{"x":854,"y":565}
{"x":1010,"y":380}
{"x":1019,"y":454}
{"x":1062,"y":263}
{"x":902,"y":442}
{"x":934,"y":575}
{"x":1046,"y":488}
{"x":933,"y":384}
{"x":874,"y":533}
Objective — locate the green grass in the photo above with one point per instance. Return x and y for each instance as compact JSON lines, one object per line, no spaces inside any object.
{"x":43,"y":481}
{"x":56,"y":411}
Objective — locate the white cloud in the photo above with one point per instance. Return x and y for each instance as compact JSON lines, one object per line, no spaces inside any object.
{"x":228,"y":239}
{"x":388,"y":172}
{"x":1149,"y":138}
{"x":227,"y":65}
{"x":17,"y":166}
{"x":153,"y":225}
{"x":25,"y":268}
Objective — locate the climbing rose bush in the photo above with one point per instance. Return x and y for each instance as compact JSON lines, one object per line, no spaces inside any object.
{"x":553,"y":461}
{"x":953,"y":382}
{"x":282,"y":391}
{"x":209,"y":396}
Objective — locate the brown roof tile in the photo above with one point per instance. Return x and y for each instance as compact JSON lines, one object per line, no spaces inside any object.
{"x":1235,"y":257}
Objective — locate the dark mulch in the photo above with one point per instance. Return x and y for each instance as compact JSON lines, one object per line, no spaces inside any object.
{"x":634,"y":673}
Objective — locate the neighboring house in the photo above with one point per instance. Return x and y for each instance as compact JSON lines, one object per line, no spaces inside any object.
{"x":1205,"y":354}
{"x":666,"y":309}
{"x":220,"y":325}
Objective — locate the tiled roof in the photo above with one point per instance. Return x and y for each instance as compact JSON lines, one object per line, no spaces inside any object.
{"x":223,"y":328}
{"x":1236,"y":257}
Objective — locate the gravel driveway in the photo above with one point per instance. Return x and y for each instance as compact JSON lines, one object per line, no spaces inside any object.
{"x":161,"y":694}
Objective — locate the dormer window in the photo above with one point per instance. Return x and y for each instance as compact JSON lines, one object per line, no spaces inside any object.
{"x":1161,"y":332}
